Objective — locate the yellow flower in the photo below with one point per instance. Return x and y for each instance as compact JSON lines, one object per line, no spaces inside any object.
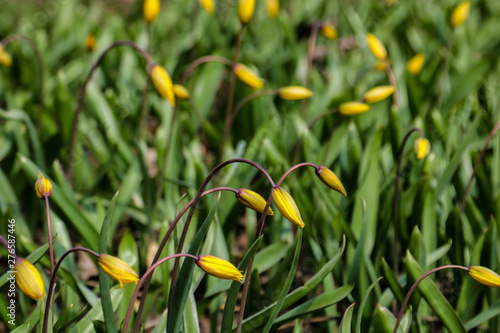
{"x":484,"y":276}
{"x":273,"y":7}
{"x":28,"y":278}
{"x":415,"y":64}
{"x":379,"y":66}
{"x":377,"y":48}
{"x":208,"y":5}
{"x":180,"y":92}
{"x":219,"y":268}
{"x":329,"y":31}
{"x":163,"y":83}
{"x":377,"y":94}
{"x":43,"y":187}
{"x":353,"y":108}
{"x":330,"y":179}
{"x":286,"y":205}
{"x":117,"y":269}
{"x":248,"y":76}
{"x":422,"y":148}
{"x":151,"y":9}
{"x":245,"y":10}
{"x":253,"y":200}
{"x":460,"y":14}
{"x":5,"y":59}
{"x":293,"y":93}
{"x":90,"y":43}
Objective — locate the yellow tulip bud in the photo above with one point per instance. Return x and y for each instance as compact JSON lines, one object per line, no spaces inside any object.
{"x":28,"y":279}
{"x":287,"y":206}
{"x":219,"y":268}
{"x":329,"y":31}
{"x":43,"y":187}
{"x":353,"y":108}
{"x":330,"y":179}
{"x":248,"y":76}
{"x":379,"y":66}
{"x":377,"y":48}
{"x":163,"y":83}
{"x":460,"y":14}
{"x":422,"y":148}
{"x":151,"y":10}
{"x":484,"y":276}
{"x":293,"y":93}
{"x":208,"y":5}
{"x":180,"y":92}
{"x":415,"y":64}
{"x":245,"y":10}
{"x":273,"y":7}
{"x":5,"y":59}
{"x":377,"y":94}
{"x":253,"y":200}
{"x":117,"y":269}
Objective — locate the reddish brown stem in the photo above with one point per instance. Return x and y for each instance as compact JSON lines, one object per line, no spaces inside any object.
{"x":203,"y":60}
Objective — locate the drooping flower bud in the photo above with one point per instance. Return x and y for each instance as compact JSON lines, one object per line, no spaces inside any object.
{"x":253,"y":200}
{"x":151,"y":10}
{"x":181,"y":92}
{"x":330,"y":179}
{"x":460,"y":14}
{"x":415,"y":64}
{"x":293,"y":93}
{"x":117,"y":269}
{"x":90,"y":43}
{"x":245,"y":10}
{"x":163,"y":83}
{"x":273,"y":7}
{"x":219,"y":268}
{"x":422,"y":148}
{"x":484,"y":276}
{"x":329,"y":31}
{"x":353,"y":108}
{"x":287,"y":206}
{"x":43,"y":187}
{"x":377,"y":94}
{"x":28,"y":278}
{"x":5,"y":59}
{"x":248,"y":76}
{"x":377,"y":48}
{"x":208,"y":5}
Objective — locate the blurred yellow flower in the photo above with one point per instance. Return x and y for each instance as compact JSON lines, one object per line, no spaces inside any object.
{"x":293,"y":93}
{"x":379,"y":66}
{"x":208,"y":5}
{"x":353,"y":108}
{"x":273,"y":7}
{"x":377,"y":48}
{"x":180,"y":92}
{"x":248,"y":76}
{"x":5,"y":59}
{"x":329,"y":31}
{"x":117,"y":269}
{"x":219,"y":268}
{"x":484,"y":276}
{"x":415,"y":64}
{"x":43,"y":187}
{"x":163,"y":83}
{"x":460,"y":14}
{"x":422,"y":148}
{"x":245,"y":10}
{"x":287,"y":206}
{"x":90,"y":43}
{"x":28,"y":278}
{"x":253,"y":200}
{"x":151,"y":10}
{"x":330,"y":179}
{"x":377,"y":94}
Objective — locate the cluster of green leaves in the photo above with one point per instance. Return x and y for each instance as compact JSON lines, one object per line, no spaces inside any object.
{"x":454,"y":100}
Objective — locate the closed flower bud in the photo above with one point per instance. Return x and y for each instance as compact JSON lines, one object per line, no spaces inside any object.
{"x":484,"y":276}
{"x":379,"y":66}
{"x":219,"y":268}
{"x":28,"y":278}
{"x":163,"y":83}
{"x":117,"y":269}
{"x":329,"y":31}
{"x":248,"y":76}
{"x":377,"y":48}
{"x":245,"y":10}
{"x":151,"y":10}
{"x":43,"y":187}
{"x":353,"y":108}
{"x":460,"y":14}
{"x":208,"y":5}
{"x":330,"y":179}
{"x":5,"y":59}
{"x":415,"y":64}
{"x":293,"y":93}
{"x":90,"y":43}
{"x":422,"y":148}
{"x":253,"y":200}
{"x":273,"y":7}
{"x":180,"y":92}
{"x":286,"y":205}
{"x":377,"y":94}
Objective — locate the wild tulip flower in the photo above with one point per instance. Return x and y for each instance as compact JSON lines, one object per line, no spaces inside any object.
{"x":377,"y":48}
{"x":484,"y":276}
{"x":248,"y":76}
{"x":28,"y":278}
{"x":219,"y":268}
{"x":330,"y":179}
{"x":117,"y":269}
{"x":353,"y":108}
{"x":415,"y":64}
{"x":163,"y":83}
{"x":460,"y":14}
{"x":90,"y":43}
{"x":252,"y":200}
{"x":208,"y":5}
{"x":287,"y":206}
{"x":180,"y":92}
{"x":377,"y":94}
{"x":5,"y":59}
{"x":273,"y":7}
{"x":293,"y":93}
{"x":151,"y":10}
{"x":329,"y":31}
{"x":43,"y":187}
{"x":422,"y":148}
{"x":246,"y":9}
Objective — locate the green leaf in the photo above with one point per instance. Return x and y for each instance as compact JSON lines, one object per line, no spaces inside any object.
{"x":345,"y":324}
{"x":63,"y":325}
{"x":363,"y":303}
{"x":24,"y":328}
{"x":392,"y":280}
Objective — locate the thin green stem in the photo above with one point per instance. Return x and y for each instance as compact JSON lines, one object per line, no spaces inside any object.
{"x":311,"y":45}
{"x":330,"y":139}
{"x":203,"y":60}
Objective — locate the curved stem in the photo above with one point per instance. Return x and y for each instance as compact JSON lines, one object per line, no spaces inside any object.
{"x":311,"y":45}
{"x":476,"y":165}
{"x":293,"y":168}
{"x":407,"y":298}
{"x":318,"y":117}
{"x":162,"y":246}
{"x":143,"y":278}
{"x":392,"y":81}
{"x":395,"y":214}
{"x":81,"y":95}
{"x":53,"y":280}
{"x":9,"y":249}
{"x":199,"y":61}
